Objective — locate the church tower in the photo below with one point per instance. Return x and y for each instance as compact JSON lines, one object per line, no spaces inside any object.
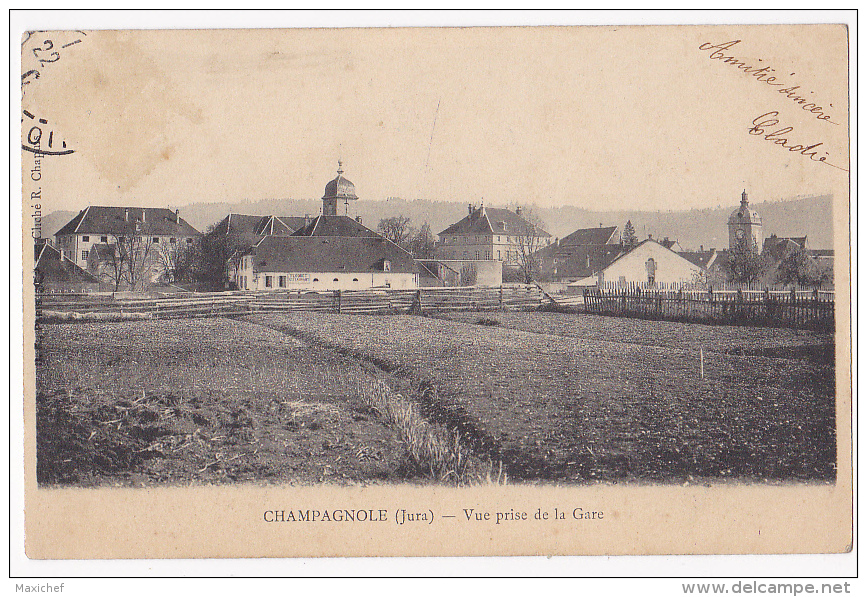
{"x":337,"y":191}
{"x":745,"y":224}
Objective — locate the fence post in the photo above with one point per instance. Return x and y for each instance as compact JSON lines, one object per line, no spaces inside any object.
{"x":416,"y":303}
{"x":337,"y":300}
{"x":502,"y":306}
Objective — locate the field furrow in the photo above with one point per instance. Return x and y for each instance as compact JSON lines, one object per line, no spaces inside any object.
{"x":571,"y":409}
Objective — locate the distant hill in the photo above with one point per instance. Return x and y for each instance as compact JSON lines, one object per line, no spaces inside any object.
{"x":706,"y":227}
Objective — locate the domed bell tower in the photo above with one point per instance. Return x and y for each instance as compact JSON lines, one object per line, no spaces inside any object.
{"x":745,"y":225}
{"x":337,"y":191}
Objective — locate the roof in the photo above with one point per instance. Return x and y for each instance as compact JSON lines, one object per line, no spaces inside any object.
{"x":590,"y":236}
{"x":703,"y":259}
{"x":330,"y":254}
{"x":777,"y":246}
{"x":340,"y":188}
{"x":54,"y":269}
{"x":743,"y":214}
{"x":581,"y":261}
{"x":490,"y":220}
{"x":99,"y":220}
{"x":335,"y":226}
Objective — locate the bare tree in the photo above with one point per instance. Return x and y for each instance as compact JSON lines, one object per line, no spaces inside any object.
{"x":396,"y":229}
{"x":528,"y":240}
{"x":134,"y":249}
{"x":423,"y":245}
{"x":108,"y":263}
{"x":174,"y":259}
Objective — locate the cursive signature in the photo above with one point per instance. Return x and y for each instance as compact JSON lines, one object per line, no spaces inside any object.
{"x":769,"y":76}
{"x":780,"y":136}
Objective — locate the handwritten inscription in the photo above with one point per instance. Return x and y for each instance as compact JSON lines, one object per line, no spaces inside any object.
{"x":768,"y":127}
{"x":769,"y":76}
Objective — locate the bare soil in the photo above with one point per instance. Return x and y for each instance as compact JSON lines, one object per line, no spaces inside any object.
{"x":202,"y":401}
{"x":609,"y":400}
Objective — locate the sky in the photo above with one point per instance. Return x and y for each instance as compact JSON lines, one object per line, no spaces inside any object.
{"x":598,"y":117}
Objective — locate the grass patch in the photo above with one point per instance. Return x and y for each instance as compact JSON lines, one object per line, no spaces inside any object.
{"x":487,"y":321}
{"x":436,"y":450}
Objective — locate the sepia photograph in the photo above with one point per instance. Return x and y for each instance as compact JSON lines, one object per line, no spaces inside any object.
{"x":469,"y":291}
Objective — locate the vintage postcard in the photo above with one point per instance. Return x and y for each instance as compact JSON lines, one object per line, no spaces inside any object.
{"x":436,"y":291}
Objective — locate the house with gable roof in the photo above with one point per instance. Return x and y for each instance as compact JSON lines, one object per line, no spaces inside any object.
{"x":488,"y":233}
{"x":54,"y":272}
{"x":649,"y":264}
{"x":148,"y":242}
{"x":325,"y":263}
{"x":328,"y":252}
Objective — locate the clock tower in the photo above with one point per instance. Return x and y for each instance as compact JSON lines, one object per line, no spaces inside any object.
{"x":745,"y":224}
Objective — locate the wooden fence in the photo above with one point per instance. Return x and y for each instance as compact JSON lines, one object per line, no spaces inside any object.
{"x":241,"y":303}
{"x":797,"y":309}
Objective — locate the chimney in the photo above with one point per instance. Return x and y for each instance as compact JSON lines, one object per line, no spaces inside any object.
{"x":143,"y":215}
{"x":62,"y":254}
{"x":306,"y":220}
{"x":650,"y":236}
{"x":177,"y":216}
{"x":518,"y":210}
{"x":358,"y":219}
{"x":126,"y":214}
{"x":600,"y":224}
{"x":701,"y":248}
{"x":469,"y":209}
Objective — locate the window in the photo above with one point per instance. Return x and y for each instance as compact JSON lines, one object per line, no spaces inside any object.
{"x":477,"y":255}
{"x":269,"y":281}
{"x":355,"y":279}
{"x":103,"y":239}
{"x":282,"y":281}
{"x":498,"y":239}
{"x":487,"y":254}
{"x":499,"y":256}
{"x":85,"y":239}
{"x":650,"y":265}
{"x":335,"y":280}
{"x":386,"y":265}
{"x":156,"y":240}
{"x":173,"y":240}
{"x":84,"y":255}
{"x":466,"y":255}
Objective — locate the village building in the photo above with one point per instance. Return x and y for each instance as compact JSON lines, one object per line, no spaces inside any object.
{"x":745,"y":224}
{"x":707,"y":260}
{"x":248,"y":229}
{"x":671,"y":244}
{"x":149,"y":240}
{"x":490,"y":234}
{"x":56,"y":272}
{"x":325,"y":263}
{"x":648,"y":264}
{"x":778,"y":248}
{"x":603,"y":235}
{"x":328,"y":252}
